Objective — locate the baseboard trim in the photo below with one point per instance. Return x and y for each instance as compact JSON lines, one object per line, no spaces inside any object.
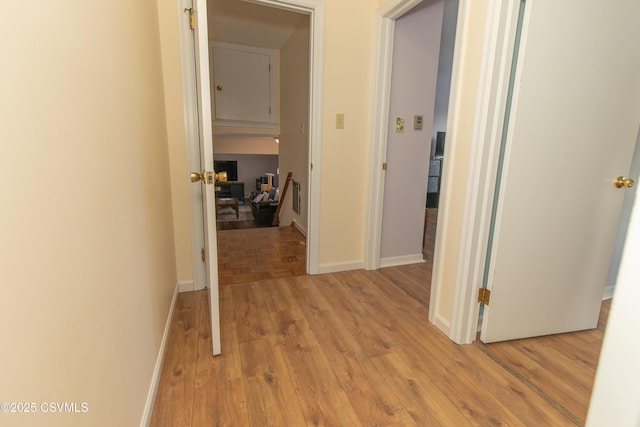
{"x":442,"y":324}
{"x":186,"y":286}
{"x":299,"y":228}
{"x":401,"y":260}
{"x":608,"y":292}
{"x":340,"y":266}
{"x":155,"y":378}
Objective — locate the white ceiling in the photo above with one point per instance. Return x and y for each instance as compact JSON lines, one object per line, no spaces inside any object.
{"x":250,"y":24}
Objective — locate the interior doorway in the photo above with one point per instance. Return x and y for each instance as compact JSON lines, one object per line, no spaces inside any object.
{"x":264,"y":151}
{"x":259,"y":55}
{"x":422,"y":57}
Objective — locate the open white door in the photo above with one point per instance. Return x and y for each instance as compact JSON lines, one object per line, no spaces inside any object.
{"x":574,"y":120}
{"x":206,"y":161}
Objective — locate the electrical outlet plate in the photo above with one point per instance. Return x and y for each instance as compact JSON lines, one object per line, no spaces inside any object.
{"x":417,"y":122}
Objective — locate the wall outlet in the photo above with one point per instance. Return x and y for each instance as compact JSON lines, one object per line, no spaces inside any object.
{"x":339,"y":121}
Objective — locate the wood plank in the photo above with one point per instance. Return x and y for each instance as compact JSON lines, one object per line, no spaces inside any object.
{"x":322,"y":399}
{"x":271,"y":396}
{"x":427,"y":405}
{"x":372,"y":398}
{"x":415,"y":281}
{"x":174,"y":398}
{"x":551,"y":378}
{"x":219,"y":395}
{"x":439,"y":348}
{"x":252,"y":319}
{"x":372,"y":332}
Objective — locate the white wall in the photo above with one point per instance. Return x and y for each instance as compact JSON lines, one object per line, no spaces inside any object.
{"x":413,"y":87}
{"x":615,"y":400}
{"x":86,"y":237}
{"x":294,"y":127}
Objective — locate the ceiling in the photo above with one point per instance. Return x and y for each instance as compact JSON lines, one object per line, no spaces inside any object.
{"x":250,"y":24}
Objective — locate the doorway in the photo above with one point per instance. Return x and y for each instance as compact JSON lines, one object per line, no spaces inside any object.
{"x":387,"y":16}
{"x":263,"y":150}
{"x":311,"y":127}
{"x":420,"y":78}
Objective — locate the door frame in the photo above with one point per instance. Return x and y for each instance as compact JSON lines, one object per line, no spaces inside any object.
{"x":497,"y":46}
{"x":495,"y":70}
{"x":315,"y":10}
{"x":189,"y":88}
{"x":385,"y":25}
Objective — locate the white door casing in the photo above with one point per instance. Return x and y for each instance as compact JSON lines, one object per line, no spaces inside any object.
{"x":189,"y":91}
{"x":572,"y":130}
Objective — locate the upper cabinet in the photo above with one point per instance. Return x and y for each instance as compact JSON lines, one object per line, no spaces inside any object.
{"x":244,"y":88}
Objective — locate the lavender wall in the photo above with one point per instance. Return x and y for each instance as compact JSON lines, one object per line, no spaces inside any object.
{"x":413,"y":92}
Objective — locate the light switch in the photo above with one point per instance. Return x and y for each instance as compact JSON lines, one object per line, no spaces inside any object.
{"x":417,"y":122}
{"x":399,"y":125}
{"x":340,"y":121}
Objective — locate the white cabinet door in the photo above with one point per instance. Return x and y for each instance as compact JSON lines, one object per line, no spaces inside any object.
{"x":242,"y":85}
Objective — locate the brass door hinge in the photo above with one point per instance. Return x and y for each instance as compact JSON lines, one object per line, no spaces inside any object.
{"x":484,"y":295}
{"x":384,"y":166}
{"x":192,"y":20}
{"x":203,"y":254}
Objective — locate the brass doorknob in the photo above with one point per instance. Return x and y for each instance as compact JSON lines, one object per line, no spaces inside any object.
{"x":623,"y":181}
{"x":219,"y":87}
{"x":195,"y":176}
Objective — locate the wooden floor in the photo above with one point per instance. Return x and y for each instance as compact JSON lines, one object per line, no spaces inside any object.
{"x":255,"y":254}
{"x":356,"y":349}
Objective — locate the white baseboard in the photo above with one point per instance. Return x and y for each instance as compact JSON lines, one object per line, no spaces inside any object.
{"x":155,"y":378}
{"x":401,"y":260}
{"x":340,"y":266}
{"x":299,"y":228}
{"x":186,"y":286}
{"x":608,"y":292}
{"x":442,"y":324}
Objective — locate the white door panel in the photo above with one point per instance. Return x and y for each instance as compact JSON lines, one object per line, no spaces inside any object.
{"x":206,"y":159}
{"x":573,"y":126}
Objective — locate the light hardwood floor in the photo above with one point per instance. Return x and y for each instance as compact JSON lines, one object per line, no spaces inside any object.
{"x":356,"y":349}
